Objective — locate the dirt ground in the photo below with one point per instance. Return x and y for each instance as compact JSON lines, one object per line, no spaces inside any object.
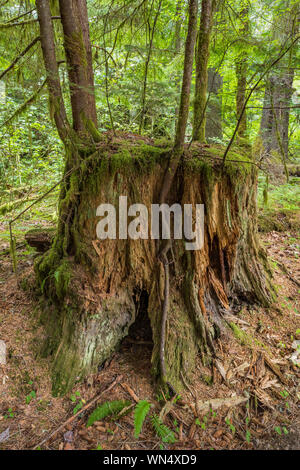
{"x":254,"y":365}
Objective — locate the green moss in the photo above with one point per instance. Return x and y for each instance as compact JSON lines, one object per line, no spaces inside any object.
{"x":208,"y":379}
{"x":199,"y":164}
{"x":246,"y":339}
{"x":62,"y":277}
{"x":241,"y":335}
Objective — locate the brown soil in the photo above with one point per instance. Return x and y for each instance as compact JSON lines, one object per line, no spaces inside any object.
{"x":271,"y":417}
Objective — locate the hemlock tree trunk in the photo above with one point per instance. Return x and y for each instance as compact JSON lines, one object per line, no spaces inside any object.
{"x":92,"y":288}
{"x":241,"y":73}
{"x":177,"y":46}
{"x":78,"y":50}
{"x":50,"y":62}
{"x":213,"y":124}
{"x":274,"y":127}
{"x":202,"y":56}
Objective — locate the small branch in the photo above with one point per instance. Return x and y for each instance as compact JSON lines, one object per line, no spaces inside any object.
{"x":16,"y":18}
{"x":24,"y":23}
{"x":296,"y":106}
{"x":286,"y":271}
{"x":16,"y":60}
{"x":72,"y":418}
{"x":24,"y":105}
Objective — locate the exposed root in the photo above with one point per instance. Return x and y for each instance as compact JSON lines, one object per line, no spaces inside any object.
{"x":164,"y":316}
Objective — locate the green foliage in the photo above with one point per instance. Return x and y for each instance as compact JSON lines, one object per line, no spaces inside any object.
{"x":107,"y":409}
{"x":30,"y":396}
{"x":230,"y":425}
{"x":9,"y":414}
{"x":166,"y":434}
{"x":140,"y":413}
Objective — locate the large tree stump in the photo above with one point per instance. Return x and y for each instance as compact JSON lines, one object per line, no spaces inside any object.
{"x":93,"y":287}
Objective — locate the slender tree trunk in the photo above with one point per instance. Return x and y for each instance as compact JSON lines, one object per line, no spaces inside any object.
{"x":184,"y":100}
{"x":202,"y":56}
{"x":177,"y":47}
{"x":49,"y":55}
{"x":286,"y":111}
{"x":213,"y":127}
{"x":241,"y":67}
{"x":79,"y":59}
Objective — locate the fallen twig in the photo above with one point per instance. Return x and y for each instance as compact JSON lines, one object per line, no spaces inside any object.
{"x":286,"y":271}
{"x":72,"y":418}
{"x":129,"y":390}
{"x":275,"y":369}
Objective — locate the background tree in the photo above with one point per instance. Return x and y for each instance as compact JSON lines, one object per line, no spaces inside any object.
{"x":202,"y":56}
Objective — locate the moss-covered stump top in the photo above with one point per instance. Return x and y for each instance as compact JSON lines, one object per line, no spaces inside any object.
{"x":140,"y":156}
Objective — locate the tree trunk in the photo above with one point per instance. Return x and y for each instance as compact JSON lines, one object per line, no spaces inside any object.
{"x":202,"y":56}
{"x":213,"y":125}
{"x":241,"y":66}
{"x":77,"y":46}
{"x":50,"y":62}
{"x":177,"y":47}
{"x":93,"y":288}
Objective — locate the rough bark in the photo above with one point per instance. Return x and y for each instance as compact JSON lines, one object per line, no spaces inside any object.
{"x":202,"y":56}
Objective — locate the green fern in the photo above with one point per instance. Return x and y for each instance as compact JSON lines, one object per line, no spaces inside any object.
{"x":108,"y":408}
{"x":140,"y":413}
{"x":165,"y":433}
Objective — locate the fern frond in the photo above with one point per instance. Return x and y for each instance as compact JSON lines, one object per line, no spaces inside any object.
{"x":140,"y":413}
{"x":108,"y":408}
{"x":165,"y":433}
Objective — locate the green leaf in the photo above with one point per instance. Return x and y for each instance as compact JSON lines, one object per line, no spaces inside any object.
{"x":108,"y":408}
{"x":30,"y":396}
{"x":165,"y":433}
{"x":140,"y":413}
{"x":77,"y":407}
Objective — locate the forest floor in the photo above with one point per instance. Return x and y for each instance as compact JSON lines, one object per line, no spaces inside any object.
{"x":270,"y":420}
{"x":255,"y":362}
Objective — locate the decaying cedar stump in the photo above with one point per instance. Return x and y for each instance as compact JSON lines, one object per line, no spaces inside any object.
{"x":92,"y":287}
{"x":40,"y":239}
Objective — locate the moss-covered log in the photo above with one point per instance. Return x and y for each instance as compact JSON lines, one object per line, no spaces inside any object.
{"x":92,"y":287}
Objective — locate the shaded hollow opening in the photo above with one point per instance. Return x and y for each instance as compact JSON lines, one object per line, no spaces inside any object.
{"x":137,"y":346}
{"x":140,"y":330}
